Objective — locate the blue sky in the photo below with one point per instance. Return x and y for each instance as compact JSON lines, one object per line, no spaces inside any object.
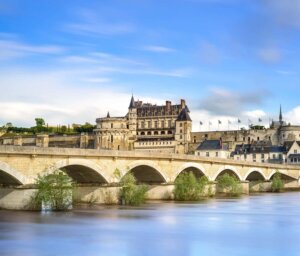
{"x":72,"y":61}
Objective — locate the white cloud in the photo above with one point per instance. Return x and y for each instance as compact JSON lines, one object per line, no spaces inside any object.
{"x":293,"y":116}
{"x":158,"y":49}
{"x":91,"y":23}
{"x":221,"y":101}
{"x":270,"y":54}
{"x":105,"y":63}
{"x":255,"y":114}
{"x":11,"y":49}
{"x":27,"y":94}
{"x":286,"y":12}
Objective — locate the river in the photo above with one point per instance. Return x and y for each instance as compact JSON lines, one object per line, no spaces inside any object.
{"x":266,"y":224}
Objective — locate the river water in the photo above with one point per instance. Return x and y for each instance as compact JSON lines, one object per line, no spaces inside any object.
{"x":266,"y":224}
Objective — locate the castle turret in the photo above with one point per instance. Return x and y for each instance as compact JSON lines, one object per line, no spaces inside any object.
{"x":183,"y":131}
{"x":132,"y":119}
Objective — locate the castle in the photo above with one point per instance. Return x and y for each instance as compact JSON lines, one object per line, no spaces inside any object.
{"x":147,"y":127}
{"x":168,"y":128}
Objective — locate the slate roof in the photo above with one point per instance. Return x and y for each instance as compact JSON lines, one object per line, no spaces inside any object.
{"x":294,"y":155}
{"x":132,"y":103}
{"x":258,"y":148}
{"x":210,"y":145}
{"x":289,"y":144}
{"x":184,"y":115}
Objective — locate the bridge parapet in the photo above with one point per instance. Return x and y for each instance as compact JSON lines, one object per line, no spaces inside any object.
{"x":77,"y":152}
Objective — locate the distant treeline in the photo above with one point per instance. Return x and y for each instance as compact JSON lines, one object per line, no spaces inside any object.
{"x":59,"y":129}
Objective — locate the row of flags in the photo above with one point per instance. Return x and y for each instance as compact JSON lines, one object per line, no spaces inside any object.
{"x":229,"y":121}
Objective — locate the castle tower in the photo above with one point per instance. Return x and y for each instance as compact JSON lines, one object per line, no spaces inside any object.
{"x":183,"y":130}
{"x":132,"y":120}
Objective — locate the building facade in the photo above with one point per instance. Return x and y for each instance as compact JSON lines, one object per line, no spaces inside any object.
{"x":165,"y":128}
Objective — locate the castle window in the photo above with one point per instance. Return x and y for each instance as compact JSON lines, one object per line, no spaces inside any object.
{"x":194,"y":139}
{"x":148,"y":133}
{"x":169,"y":123}
{"x":244,"y":139}
{"x":149,"y":124}
{"x":169,"y":132}
{"x":142,"y":133}
{"x":162,"y":124}
{"x":254,"y":156}
{"x":142,"y":125}
{"x":155,"y":124}
{"x":180,"y":130}
{"x":162,"y":132}
{"x":262,"y":156}
{"x":111,"y":125}
{"x":156,"y":133}
{"x":295,"y":151}
{"x":180,"y":136}
{"x":258,"y":138}
{"x":217,"y":154}
{"x":112,"y":138}
{"x":207,"y":154}
{"x":180,"y":125}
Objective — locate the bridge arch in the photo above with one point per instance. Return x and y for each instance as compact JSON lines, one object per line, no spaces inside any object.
{"x":146,"y":172}
{"x":10,"y":176}
{"x":80,"y":170}
{"x":195,"y":168}
{"x":231,"y":170}
{"x":284,"y":176}
{"x":255,"y":174}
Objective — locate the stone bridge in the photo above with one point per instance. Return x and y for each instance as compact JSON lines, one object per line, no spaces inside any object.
{"x":20,"y":166}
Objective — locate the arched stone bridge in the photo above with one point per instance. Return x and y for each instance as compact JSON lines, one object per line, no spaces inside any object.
{"x":22,"y":165}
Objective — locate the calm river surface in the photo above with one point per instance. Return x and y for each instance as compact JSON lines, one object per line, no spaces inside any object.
{"x":267,"y":224}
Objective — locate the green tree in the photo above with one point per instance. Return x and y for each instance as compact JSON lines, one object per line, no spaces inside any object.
{"x":130,"y":192}
{"x":277,"y":183}
{"x":230,"y":184}
{"x":39,"y":122}
{"x":189,"y":188}
{"x":54,"y":190}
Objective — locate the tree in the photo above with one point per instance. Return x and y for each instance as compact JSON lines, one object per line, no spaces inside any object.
{"x":189,"y":188}
{"x":8,"y":125}
{"x":39,"y":122}
{"x":230,"y":184}
{"x":277,"y":183}
{"x":54,"y":191}
{"x":130,"y":192}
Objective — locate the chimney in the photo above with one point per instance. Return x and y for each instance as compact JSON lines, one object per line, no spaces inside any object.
{"x":182,"y":103}
{"x":168,"y":105}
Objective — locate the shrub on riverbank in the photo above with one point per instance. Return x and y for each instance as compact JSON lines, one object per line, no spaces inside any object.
{"x":277,"y":183}
{"x":130,"y":192}
{"x":189,"y":188}
{"x":54,"y":191}
{"x":230,"y":185}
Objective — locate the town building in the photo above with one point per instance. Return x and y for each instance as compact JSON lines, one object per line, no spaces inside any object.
{"x":213,"y":148}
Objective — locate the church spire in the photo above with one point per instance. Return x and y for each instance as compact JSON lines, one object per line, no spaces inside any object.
{"x":280,"y":115}
{"x":132,"y":103}
{"x":108,"y":115}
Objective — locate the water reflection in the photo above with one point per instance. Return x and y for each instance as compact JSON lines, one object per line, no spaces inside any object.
{"x":255,"y":225}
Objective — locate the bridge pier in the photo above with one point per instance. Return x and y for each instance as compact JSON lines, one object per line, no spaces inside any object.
{"x":16,"y":198}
